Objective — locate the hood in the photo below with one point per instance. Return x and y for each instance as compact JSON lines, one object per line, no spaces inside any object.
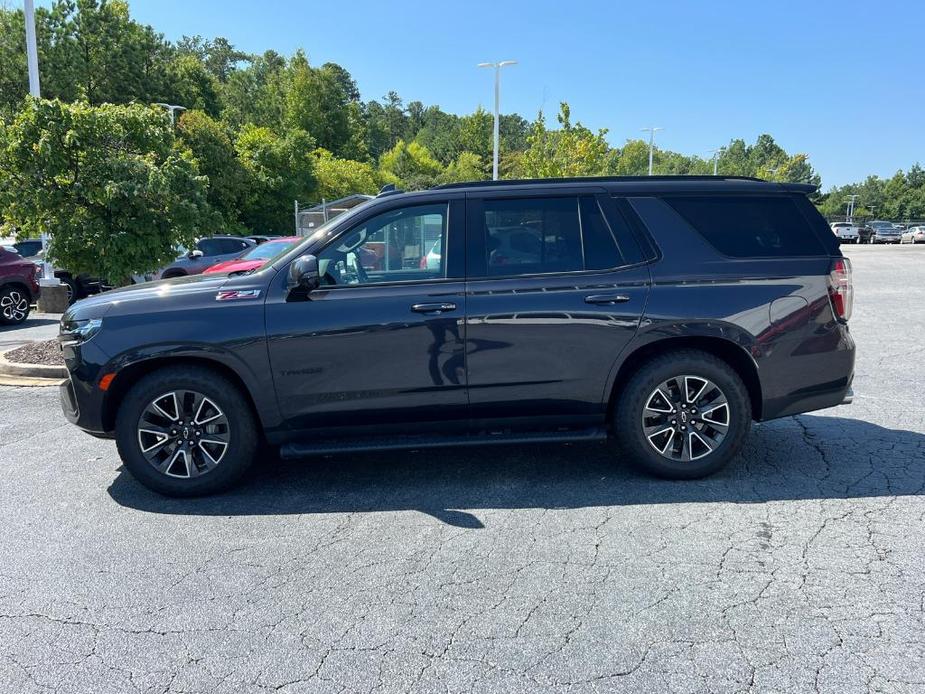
{"x":99,"y":305}
{"x":235,"y":266}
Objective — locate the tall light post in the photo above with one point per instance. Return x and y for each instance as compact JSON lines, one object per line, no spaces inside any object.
{"x":849,"y":216}
{"x":651,"y":132}
{"x":717,"y":153}
{"x":172,"y":108}
{"x":32,"y":54}
{"x":32,"y":60}
{"x":497,"y":66}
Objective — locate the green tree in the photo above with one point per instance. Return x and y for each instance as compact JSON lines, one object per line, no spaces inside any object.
{"x":211,"y":144}
{"x":191,"y":85}
{"x":338,"y":178}
{"x":93,"y":50}
{"x":256,"y":94}
{"x":316,"y":103}
{"x":573,"y":150}
{"x":13,"y":73}
{"x":108,"y":182}
{"x":467,"y":167}
{"x":218,"y":56}
{"x":411,"y":165}
{"x":279,"y":170}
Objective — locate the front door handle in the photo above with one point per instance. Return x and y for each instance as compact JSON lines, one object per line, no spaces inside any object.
{"x":433,"y":308}
{"x":607,"y":299}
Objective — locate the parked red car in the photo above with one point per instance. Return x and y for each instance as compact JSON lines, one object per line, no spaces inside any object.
{"x":256,"y":257}
{"x":19,"y":287}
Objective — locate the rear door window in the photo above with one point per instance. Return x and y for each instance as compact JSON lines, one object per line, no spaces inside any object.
{"x":750,"y":227}
{"x":527,"y":236}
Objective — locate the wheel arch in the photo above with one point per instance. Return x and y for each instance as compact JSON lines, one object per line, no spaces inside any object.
{"x":127,"y":376}
{"x":18,"y":284}
{"x":725,"y":349}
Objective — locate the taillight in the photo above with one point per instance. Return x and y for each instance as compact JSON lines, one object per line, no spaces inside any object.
{"x":841,"y":291}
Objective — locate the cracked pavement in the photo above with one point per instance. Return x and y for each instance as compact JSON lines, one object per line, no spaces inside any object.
{"x":547,"y":568}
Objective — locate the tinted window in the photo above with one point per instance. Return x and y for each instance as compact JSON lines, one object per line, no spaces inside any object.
{"x":210,"y":246}
{"x":28,"y":248}
{"x":232,"y":245}
{"x":750,"y":226}
{"x":396,"y":246}
{"x":600,"y":247}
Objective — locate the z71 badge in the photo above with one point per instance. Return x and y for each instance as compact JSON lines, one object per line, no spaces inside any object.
{"x":236,"y":294}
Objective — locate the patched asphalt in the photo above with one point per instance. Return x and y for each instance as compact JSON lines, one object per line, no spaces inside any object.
{"x":534,"y":569}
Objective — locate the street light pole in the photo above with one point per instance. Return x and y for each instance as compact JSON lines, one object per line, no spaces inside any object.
{"x":850,"y":213}
{"x":497,"y":129}
{"x":651,"y":132}
{"x":172,"y":109}
{"x":32,"y":59}
{"x":716,"y":154}
{"x":32,"y":53}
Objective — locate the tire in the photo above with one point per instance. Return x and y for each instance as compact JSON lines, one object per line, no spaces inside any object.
{"x":635,"y":402}
{"x":71,"y":286}
{"x":14,"y":306}
{"x":173,"y":477}
{"x":173,"y":275}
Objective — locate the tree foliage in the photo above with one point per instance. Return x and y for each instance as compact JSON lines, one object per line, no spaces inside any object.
{"x":337,"y":178}
{"x":279,"y":170}
{"x":109,"y":182}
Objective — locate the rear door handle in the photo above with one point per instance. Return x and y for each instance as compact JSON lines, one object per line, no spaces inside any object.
{"x":607,"y":299}
{"x":433,"y":308}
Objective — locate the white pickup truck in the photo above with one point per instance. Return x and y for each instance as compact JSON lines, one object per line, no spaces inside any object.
{"x":846,"y":232}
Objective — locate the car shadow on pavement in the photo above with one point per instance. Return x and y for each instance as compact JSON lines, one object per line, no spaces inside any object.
{"x":797,"y":458}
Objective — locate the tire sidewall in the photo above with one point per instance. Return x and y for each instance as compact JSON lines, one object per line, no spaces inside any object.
{"x":628,"y":417}
{"x":242,"y":439}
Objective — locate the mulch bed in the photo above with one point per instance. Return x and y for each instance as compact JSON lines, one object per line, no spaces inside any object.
{"x":47,"y":352}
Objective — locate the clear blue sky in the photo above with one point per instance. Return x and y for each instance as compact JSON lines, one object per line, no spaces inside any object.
{"x":843,"y":80}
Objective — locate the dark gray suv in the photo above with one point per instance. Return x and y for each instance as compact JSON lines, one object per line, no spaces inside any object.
{"x":666,"y":313}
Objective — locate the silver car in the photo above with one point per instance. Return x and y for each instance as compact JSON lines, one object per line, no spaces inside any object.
{"x":914,"y":234}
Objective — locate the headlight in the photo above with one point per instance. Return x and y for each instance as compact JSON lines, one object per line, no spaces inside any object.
{"x":75,"y":332}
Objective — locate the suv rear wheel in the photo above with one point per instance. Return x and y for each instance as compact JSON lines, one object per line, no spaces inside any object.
{"x":683,"y":415}
{"x":14,"y":306}
{"x":186,"y":431}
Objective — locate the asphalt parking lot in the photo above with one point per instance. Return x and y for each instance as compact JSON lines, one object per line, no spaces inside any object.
{"x":544,"y":569}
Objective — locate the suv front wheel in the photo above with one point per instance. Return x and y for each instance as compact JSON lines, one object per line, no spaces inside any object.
{"x":683,"y":415}
{"x":186,"y":431}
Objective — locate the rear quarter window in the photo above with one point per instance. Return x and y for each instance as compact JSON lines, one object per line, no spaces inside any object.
{"x":750,"y":227}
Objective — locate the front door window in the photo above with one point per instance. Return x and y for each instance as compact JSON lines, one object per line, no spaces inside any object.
{"x":396,"y":246}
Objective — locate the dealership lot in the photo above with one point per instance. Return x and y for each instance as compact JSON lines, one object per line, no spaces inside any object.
{"x":800,"y":568}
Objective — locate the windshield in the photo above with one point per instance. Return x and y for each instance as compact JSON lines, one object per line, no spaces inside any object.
{"x":270,"y":249}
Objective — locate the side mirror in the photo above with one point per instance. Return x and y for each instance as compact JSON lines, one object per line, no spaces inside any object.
{"x":303,"y":273}
{"x":195,"y":253}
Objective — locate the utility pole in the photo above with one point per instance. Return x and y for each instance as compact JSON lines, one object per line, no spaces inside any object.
{"x":172,"y":109}
{"x":497,"y":66}
{"x":651,"y":132}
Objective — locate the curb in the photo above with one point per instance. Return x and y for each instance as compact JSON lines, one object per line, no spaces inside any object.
{"x":31,"y":371}
{"x":27,"y":381}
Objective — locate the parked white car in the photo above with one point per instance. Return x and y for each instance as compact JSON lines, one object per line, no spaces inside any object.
{"x":846,"y":232}
{"x":914,"y":234}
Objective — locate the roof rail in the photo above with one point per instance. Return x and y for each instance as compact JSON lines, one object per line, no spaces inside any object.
{"x":388,"y":189}
{"x":596,"y":179}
